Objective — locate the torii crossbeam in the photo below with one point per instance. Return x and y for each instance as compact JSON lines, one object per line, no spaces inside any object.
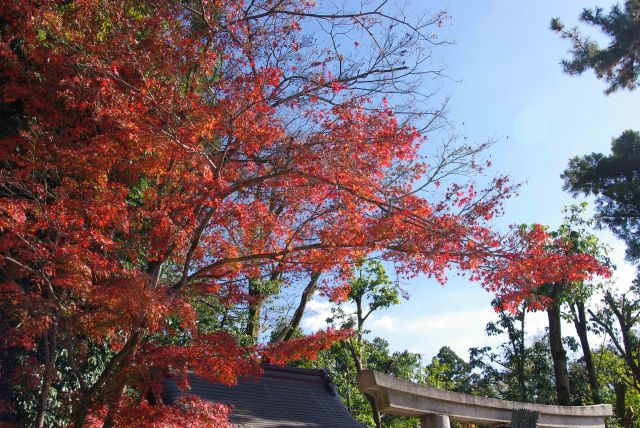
{"x":437,"y":407}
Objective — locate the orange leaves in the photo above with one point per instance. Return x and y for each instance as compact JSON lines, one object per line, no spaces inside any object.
{"x":188,"y":411}
{"x":168,"y":156}
{"x":536,"y":258}
{"x":302,"y":348}
{"x":216,"y":357}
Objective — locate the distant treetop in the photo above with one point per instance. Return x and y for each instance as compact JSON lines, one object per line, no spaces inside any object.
{"x":619,"y":62}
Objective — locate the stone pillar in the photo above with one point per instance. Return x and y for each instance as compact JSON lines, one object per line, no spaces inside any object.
{"x":435,"y":421}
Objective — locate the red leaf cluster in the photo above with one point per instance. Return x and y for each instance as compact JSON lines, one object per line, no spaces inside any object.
{"x":533,"y":258}
{"x":154,"y":154}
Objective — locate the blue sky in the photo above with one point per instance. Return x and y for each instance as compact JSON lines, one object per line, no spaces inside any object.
{"x":507,"y":84}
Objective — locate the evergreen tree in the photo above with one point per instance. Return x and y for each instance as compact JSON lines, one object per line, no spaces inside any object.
{"x":618,"y":63}
{"x":614,"y":180}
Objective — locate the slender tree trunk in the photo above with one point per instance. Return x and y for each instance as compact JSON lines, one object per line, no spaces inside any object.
{"x":50,"y":345}
{"x":377,"y":418}
{"x":521,"y":380}
{"x":620,"y":391}
{"x":255,"y":308}
{"x":349,"y":391}
{"x":357,"y":360}
{"x":581,"y":323}
{"x":559,"y":355}
{"x":307,"y":294}
{"x":521,"y":360}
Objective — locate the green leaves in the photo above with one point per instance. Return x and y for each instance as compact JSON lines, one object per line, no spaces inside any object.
{"x":370,"y":282}
{"x":619,"y":62}
{"x":614,"y":180}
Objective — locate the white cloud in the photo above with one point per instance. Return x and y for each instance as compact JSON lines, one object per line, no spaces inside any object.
{"x":457,"y":329}
{"x":316,"y":314}
{"x":384,"y":323}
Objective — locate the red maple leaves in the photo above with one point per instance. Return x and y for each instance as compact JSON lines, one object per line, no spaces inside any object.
{"x":533,"y":258}
{"x":156,"y":153}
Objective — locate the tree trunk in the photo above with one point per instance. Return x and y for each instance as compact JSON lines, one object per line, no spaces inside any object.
{"x":50,"y":345}
{"x":116,"y":363}
{"x":307,"y":294}
{"x":581,"y":323}
{"x":255,"y":308}
{"x":357,"y":360}
{"x":559,"y":355}
{"x":521,"y":352}
{"x":620,"y":391}
{"x":374,"y":411}
{"x":109,"y":421}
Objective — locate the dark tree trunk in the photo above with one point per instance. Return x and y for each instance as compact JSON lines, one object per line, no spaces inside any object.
{"x":357,"y":360}
{"x":374,"y":411}
{"x":50,"y":345}
{"x":307,"y":294}
{"x":520,"y":366}
{"x":109,"y":421}
{"x":559,"y":355}
{"x":620,"y":391}
{"x":255,"y":308}
{"x":581,"y":323}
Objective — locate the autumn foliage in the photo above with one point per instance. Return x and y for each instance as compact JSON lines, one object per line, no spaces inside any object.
{"x":533,"y":257}
{"x":153,"y":152}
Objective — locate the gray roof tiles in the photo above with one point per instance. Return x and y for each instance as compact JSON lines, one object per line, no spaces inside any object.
{"x":282,"y":397}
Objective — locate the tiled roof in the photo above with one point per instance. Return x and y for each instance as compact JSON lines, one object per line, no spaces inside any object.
{"x":282,"y":397}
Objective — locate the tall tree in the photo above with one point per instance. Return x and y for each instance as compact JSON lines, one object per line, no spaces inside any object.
{"x":448,"y":371}
{"x":614,"y":180}
{"x":619,"y":319}
{"x":550,"y":266}
{"x":575,"y":233}
{"x":513,"y":356}
{"x":577,"y":229}
{"x":370,"y":290}
{"x":156,"y":154}
{"x":619,"y":62}
{"x":496,"y":371}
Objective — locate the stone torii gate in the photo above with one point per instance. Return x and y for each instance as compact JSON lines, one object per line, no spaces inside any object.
{"x":436,"y":407}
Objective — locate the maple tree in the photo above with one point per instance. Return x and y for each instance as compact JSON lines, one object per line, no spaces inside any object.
{"x":157,"y":153}
{"x":545,"y":269}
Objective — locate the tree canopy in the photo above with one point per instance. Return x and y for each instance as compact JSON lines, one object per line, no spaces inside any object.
{"x":614,"y":180}
{"x":163,"y":162}
{"x":166,"y":166}
{"x":619,"y":62}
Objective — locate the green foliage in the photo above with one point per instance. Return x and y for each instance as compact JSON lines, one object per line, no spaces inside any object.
{"x":371,"y":284}
{"x":515,"y":370}
{"x":615,"y":182}
{"x":619,"y":62}
{"x":339,"y":363}
{"x":371,"y":290}
{"x":448,"y":371}
{"x":64,"y":386}
{"x":576,"y":229}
